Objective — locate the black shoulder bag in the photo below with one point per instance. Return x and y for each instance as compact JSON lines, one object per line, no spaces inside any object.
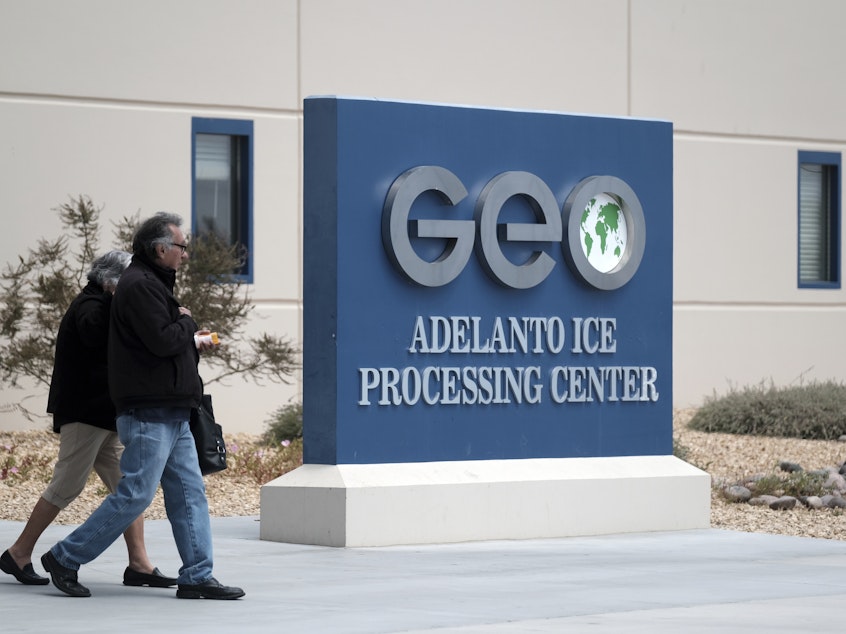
{"x":208,"y":436}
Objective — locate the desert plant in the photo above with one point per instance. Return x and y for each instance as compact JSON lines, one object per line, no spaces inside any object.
{"x":285,"y":424}
{"x":812,"y":411}
{"x":798,"y":484}
{"x":37,"y":289}
{"x":39,"y":286}
{"x":261,"y":463}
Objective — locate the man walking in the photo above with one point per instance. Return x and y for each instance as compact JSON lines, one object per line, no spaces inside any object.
{"x":154,"y":383}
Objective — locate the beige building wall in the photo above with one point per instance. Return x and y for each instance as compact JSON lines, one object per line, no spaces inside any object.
{"x":97,"y":97}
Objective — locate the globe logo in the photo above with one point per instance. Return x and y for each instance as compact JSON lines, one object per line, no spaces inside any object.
{"x":603,"y":233}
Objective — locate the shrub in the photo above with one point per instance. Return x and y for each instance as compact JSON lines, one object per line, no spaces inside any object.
{"x":816,"y":411}
{"x":262,"y":464}
{"x":797,"y":484}
{"x":285,"y":424}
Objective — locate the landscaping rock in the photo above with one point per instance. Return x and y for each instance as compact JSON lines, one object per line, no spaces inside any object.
{"x":762,"y":500}
{"x":834,"y":502}
{"x":737,"y":493}
{"x":835,"y":481}
{"x":784,"y":503}
{"x":812,"y":501}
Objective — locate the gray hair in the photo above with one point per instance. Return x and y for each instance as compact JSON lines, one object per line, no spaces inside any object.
{"x":153,"y":232}
{"x":107,"y":269}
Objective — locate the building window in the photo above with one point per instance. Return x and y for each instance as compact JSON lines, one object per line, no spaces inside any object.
{"x":819,"y":220}
{"x":222,"y":178}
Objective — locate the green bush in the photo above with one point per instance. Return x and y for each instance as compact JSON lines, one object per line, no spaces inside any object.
{"x":797,"y":484}
{"x":816,"y":411}
{"x":286,"y":423}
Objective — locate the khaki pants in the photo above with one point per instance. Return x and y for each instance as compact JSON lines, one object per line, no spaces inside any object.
{"x":82,"y":448}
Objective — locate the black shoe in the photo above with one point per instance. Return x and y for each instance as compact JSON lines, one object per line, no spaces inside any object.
{"x":63,"y":578}
{"x":25,"y":575}
{"x":155,"y":579}
{"x":210,"y":589}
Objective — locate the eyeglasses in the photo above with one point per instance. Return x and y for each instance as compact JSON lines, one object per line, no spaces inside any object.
{"x":184,"y":247}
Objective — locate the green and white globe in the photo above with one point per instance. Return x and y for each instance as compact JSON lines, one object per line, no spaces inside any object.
{"x":603,"y":233}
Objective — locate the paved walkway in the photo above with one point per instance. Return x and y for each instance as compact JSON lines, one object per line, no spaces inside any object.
{"x":656,"y":583}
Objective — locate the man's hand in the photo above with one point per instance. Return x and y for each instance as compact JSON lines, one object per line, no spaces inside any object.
{"x":205,"y":341}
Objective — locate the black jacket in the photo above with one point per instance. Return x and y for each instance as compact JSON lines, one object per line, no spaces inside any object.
{"x":152,"y":355}
{"x":79,"y":388}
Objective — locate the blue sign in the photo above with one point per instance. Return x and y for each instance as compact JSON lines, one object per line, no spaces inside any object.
{"x":484,"y":284}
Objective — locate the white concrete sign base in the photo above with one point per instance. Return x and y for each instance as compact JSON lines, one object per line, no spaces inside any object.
{"x":356,"y":505}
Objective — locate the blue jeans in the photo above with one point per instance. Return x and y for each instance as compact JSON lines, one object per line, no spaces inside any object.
{"x":161,"y":451}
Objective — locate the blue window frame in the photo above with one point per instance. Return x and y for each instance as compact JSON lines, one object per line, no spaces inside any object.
{"x":222,"y":184}
{"x":819,"y":220}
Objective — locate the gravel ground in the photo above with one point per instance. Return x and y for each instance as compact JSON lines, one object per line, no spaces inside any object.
{"x":232,"y":492}
{"x":235,"y":492}
{"x":728,"y":458}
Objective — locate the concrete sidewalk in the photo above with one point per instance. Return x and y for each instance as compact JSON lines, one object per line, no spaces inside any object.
{"x":690,"y":581}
